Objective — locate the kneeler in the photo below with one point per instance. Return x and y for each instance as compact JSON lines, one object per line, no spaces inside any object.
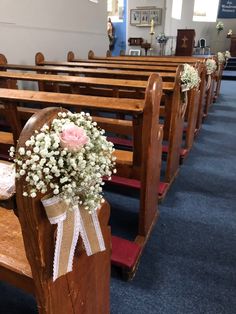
{"x":27,"y":248}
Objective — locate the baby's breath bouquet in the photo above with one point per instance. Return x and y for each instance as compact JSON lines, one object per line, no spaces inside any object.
{"x":227,"y":55}
{"x":220,"y":57}
{"x":161,"y":38}
{"x":211,"y":66}
{"x":219,"y":27}
{"x":69,"y":157}
{"x":189,"y":77}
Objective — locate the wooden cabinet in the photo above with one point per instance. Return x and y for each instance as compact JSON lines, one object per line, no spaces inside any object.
{"x":185,"y":42}
{"x":233,"y":46}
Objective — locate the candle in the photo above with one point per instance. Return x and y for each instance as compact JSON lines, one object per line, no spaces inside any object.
{"x":152,"y":26}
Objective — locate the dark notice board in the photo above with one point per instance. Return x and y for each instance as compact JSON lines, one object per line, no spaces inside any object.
{"x":227,"y":9}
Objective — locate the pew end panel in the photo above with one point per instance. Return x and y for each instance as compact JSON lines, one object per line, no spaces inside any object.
{"x":192,"y":115}
{"x":91,"y":54}
{"x":173,"y":128}
{"x":3,"y":59}
{"x":70,"y":56}
{"x":151,"y":154}
{"x":87,"y":285}
{"x":202,"y":74}
{"x":39,"y":58}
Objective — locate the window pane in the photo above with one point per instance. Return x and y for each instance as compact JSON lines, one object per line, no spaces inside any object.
{"x":176,"y":9}
{"x":205,"y":11}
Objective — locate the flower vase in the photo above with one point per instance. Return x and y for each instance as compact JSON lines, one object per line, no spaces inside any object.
{"x":162,"y":49}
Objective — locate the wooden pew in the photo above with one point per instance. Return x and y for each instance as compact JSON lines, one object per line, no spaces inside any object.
{"x":107,"y":73}
{"x":173,"y":104}
{"x":27,"y":249}
{"x":100,"y":72}
{"x":139,"y":168}
{"x":40,"y":60}
{"x":92,"y":59}
{"x":197,"y":112}
{"x":204,"y":102}
{"x":164,"y":60}
{"x":150,"y":59}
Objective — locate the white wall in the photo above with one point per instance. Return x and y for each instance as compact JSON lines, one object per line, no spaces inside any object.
{"x":53,"y":27}
{"x":206,"y":30}
{"x":143,"y":32}
{"x":170,"y":26}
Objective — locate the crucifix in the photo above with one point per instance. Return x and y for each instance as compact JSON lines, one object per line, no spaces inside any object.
{"x":184,"y":40}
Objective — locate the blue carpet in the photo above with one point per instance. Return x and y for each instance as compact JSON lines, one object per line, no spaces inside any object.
{"x":189,"y":264}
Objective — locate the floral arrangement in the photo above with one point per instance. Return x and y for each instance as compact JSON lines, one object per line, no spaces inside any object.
{"x":161,"y":38}
{"x":189,"y":77}
{"x":69,"y":158}
{"x":219,"y":26}
{"x":211,"y":66}
{"x":230,"y":33}
{"x":220,"y":57}
{"x":227,"y":55}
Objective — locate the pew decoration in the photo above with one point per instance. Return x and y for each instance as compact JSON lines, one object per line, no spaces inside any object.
{"x":227,"y":55}
{"x":66,"y":162}
{"x":220,"y":58}
{"x":219,"y":27}
{"x":189,"y":80}
{"x":210,"y":69}
{"x":7,"y":180}
{"x":162,"y":40}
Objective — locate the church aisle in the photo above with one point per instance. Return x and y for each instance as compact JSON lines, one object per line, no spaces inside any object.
{"x":189,"y":263}
{"x":188,"y":266}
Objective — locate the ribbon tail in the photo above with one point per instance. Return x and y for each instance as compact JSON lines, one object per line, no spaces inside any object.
{"x":70,"y":223}
{"x":75,"y":237}
{"x":98,"y":231}
{"x":70,"y":234}
{"x":91,"y":232}
{"x":208,"y":82}
{"x":57,"y":250}
{"x":184,"y":107}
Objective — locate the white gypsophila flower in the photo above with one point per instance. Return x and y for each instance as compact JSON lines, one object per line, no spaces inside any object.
{"x":220,"y":57}
{"x":227,"y":55}
{"x":77,"y":175}
{"x":211,"y":66}
{"x":220,"y":26}
{"x":189,"y":77}
{"x":21,"y":151}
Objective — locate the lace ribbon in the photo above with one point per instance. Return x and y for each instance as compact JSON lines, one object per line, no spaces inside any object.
{"x":208,"y":82}
{"x":7,"y":180}
{"x":72,"y":221}
{"x":185,"y":90}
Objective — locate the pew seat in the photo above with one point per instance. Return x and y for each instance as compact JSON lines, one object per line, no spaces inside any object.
{"x":13,"y":261}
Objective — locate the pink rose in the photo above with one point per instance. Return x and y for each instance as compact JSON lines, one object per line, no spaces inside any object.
{"x":73,"y":137}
